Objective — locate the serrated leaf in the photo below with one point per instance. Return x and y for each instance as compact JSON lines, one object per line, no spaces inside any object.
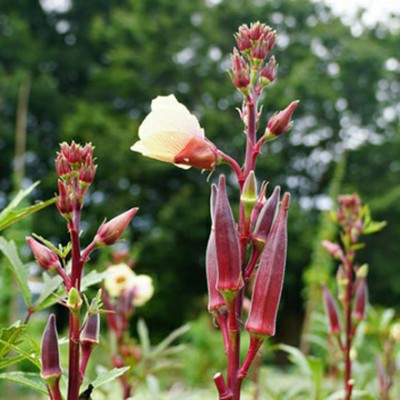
{"x":28,"y":379}
{"x":10,"y":361}
{"x":50,"y":285}
{"x":169,"y":339}
{"x":30,"y":357}
{"x":10,"y":335}
{"x":20,"y":272}
{"x":108,"y":376}
{"x":143,"y":333}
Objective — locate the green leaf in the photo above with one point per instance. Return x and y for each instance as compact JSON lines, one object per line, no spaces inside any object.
{"x":108,"y":376}
{"x":10,"y":214}
{"x":10,"y":335}
{"x":169,"y":339}
{"x":29,"y":379}
{"x":20,"y":272}
{"x":143,"y":333}
{"x":297,"y":358}
{"x":10,"y":361}
{"x":29,"y":356}
{"x":92,"y":278}
{"x":50,"y":285}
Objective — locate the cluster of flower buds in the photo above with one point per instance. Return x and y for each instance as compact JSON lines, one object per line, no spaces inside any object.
{"x":76,"y":170}
{"x":224,"y":273}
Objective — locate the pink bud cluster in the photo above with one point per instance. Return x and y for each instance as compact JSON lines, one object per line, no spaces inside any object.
{"x":76,"y":170}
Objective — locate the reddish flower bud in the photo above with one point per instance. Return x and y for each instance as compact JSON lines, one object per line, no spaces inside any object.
{"x":215,"y":299}
{"x":256,"y":30}
{"x":51,"y":370}
{"x":332,"y":312}
{"x":89,"y":338}
{"x":111,"y":231}
{"x":63,"y":167}
{"x":361,"y":300}
{"x":198,"y":153}
{"x":269,"y":278}
{"x":240,"y":71}
{"x":260,"y":50}
{"x":268,"y":72}
{"x":242,"y":38}
{"x":280,"y":122}
{"x":333,"y":249}
{"x":266,"y":217}
{"x":64,"y":202}
{"x":86,"y":174}
{"x":45,"y":257}
{"x":261,"y":200}
{"x":230,"y":279}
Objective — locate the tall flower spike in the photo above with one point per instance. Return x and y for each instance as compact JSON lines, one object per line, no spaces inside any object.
{"x":332,"y":312}
{"x":172,"y":134}
{"x":269,"y":278}
{"x":51,"y":370}
{"x":45,"y":257}
{"x":112,"y":230}
{"x":230,"y":279}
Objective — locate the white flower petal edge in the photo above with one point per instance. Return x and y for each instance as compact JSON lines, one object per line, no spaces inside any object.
{"x":118,"y":278}
{"x":144,"y":290}
{"x":167,"y":130}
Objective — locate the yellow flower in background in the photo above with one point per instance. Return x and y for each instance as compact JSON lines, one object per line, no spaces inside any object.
{"x":172,"y":134}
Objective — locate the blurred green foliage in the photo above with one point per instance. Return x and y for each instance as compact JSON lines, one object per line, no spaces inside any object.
{"x":94,"y":70}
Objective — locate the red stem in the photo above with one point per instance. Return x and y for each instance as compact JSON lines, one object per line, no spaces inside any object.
{"x":74,"y":380}
{"x":235,"y":166}
{"x":349,"y":332}
{"x":233,"y":347}
{"x":74,"y":377}
{"x":54,"y":391}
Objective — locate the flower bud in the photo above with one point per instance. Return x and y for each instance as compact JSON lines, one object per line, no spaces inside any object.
{"x":51,"y":370}
{"x":332,"y":312}
{"x":74,"y":301}
{"x":230,"y":279}
{"x":45,"y":257}
{"x":362,"y":272}
{"x":64,"y":202}
{"x":240,"y":71}
{"x":261,"y":200}
{"x":269,"y":278}
{"x":249,"y":194}
{"x":63,"y":168}
{"x":268,"y":72}
{"x":266,"y":218}
{"x":280,"y":122}
{"x":361,"y":299}
{"x":333,"y":249}
{"x":215,"y":299}
{"x":89,"y":338}
{"x":242,"y":38}
{"x":111,"y":231}
{"x":198,"y":153}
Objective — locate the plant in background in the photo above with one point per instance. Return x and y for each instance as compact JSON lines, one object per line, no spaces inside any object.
{"x":76,"y":170}
{"x":170,"y":133}
{"x":353,"y":220}
{"x":123,"y":291}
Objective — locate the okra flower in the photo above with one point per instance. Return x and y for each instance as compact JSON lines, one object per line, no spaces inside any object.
{"x":118,"y":278}
{"x":172,"y":134}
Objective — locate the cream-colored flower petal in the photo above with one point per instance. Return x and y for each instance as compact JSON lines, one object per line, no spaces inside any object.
{"x":168,"y":115}
{"x":144,"y":290}
{"x":118,"y":278}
